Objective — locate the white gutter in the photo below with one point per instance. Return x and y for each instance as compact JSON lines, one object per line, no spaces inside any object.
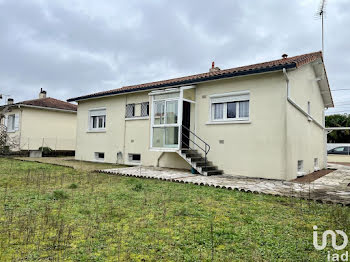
{"x":290,"y":100}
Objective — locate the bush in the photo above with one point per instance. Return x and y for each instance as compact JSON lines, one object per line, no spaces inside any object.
{"x":45,"y":150}
{"x":73,"y":186}
{"x":59,"y":195}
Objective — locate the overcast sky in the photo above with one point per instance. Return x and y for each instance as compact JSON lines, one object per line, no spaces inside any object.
{"x":76,"y":47}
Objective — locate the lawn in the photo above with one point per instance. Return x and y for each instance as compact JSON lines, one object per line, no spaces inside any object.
{"x":50,"y":212}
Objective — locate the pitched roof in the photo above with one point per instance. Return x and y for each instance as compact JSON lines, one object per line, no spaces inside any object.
{"x":291,"y":62}
{"x":49,"y":102}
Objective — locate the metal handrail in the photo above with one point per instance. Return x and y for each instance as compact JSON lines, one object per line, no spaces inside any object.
{"x":206,"y":148}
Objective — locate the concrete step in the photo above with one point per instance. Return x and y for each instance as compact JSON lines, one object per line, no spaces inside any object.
{"x":203,"y":163}
{"x":208,"y":168}
{"x":190,"y":155}
{"x":197,"y":159}
{"x":212,"y":172}
{"x":186,"y":150}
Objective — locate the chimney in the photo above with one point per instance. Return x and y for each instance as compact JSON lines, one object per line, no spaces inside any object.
{"x":10,"y":101}
{"x":213,"y":68}
{"x":42,"y":93}
{"x":284,"y":56}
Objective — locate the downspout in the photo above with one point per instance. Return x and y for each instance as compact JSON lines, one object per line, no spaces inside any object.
{"x":290,"y":100}
{"x":124,"y":135}
{"x":20,"y":126}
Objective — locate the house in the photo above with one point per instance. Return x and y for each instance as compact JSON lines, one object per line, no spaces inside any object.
{"x":42,"y":122}
{"x":263,"y":120}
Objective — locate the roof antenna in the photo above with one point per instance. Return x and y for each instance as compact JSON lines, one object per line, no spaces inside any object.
{"x":320,"y":14}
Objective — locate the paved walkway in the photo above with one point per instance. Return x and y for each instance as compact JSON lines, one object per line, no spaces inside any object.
{"x":331,"y":188}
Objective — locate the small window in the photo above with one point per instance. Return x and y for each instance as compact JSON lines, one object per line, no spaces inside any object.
{"x":316,"y":163}
{"x":136,"y":158}
{"x":98,"y":119}
{"x":11,"y":123}
{"x":99,"y":156}
{"x":145,"y":109}
{"x":130,"y":111}
{"x":300,"y":166}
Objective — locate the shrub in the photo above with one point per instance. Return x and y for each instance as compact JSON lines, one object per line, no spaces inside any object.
{"x":45,"y":150}
{"x":73,"y":186}
{"x":59,"y":195}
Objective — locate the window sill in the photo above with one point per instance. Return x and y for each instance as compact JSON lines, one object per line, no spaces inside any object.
{"x":317,"y":169}
{"x":11,"y":131}
{"x":225,"y":122}
{"x":137,"y":118}
{"x":99,"y":160}
{"x":96,"y":131}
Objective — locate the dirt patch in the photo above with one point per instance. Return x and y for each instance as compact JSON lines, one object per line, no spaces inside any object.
{"x":313,"y":176}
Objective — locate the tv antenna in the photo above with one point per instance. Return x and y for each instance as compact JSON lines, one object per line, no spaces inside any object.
{"x":321,"y":13}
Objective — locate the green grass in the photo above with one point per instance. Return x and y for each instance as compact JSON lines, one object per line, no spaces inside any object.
{"x":50,"y":212}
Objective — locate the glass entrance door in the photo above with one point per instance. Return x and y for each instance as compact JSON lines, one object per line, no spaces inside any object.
{"x":165,"y":121}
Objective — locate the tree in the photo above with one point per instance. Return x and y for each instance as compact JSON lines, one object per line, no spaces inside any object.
{"x":340,"y":136}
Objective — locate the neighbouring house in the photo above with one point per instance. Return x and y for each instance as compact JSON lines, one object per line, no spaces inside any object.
{"x":40,"y":123}
{"x":263,"y":120}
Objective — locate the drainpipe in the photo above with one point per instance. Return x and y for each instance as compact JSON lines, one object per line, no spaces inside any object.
{"x":290,"y":100}
{"x":20,"y":127}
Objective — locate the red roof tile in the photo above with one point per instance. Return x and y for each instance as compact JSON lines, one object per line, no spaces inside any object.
{"x":49,"y":103}
{"x":291,"y":62}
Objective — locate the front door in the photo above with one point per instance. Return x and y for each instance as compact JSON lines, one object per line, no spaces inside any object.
{"x":186,"y":121}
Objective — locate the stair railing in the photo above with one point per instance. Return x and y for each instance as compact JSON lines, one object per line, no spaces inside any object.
{"x":205,"y":148}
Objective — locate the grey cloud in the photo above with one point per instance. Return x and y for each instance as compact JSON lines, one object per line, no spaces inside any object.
{"x":76,"y":47}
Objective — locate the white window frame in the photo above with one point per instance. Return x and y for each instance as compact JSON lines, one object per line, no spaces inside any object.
{"x":98,"y":158}
{"x":316,"y":164}
{"x":130,"y":160}
{"x":14,"y":122}
{"x":300,"y":171}
{"x":139,"y":117}
{"x":90,"y":124}
{"x":179,"y":117}
{"x":225,"y":98}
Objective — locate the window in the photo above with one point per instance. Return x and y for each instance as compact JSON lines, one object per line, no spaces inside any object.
{"x":339,"y":149}
{"x":230,"y":107}
{"x":300,"y":167}
{"x":137,"y":110}
{"x":316,"y":164}
{"x":136,"y":158}
{"x":145,"y":109}
{"x":165,"y":121}
{"x":97,"y":119}
{"x":11,"y":123}
{"x":99,"y":156}
{"x":130,"y":111}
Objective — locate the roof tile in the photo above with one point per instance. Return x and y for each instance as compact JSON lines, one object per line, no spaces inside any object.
{"x":295,"y":61}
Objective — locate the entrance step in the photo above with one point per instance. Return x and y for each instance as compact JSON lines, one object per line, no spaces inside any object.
{"x":197,"y":161}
